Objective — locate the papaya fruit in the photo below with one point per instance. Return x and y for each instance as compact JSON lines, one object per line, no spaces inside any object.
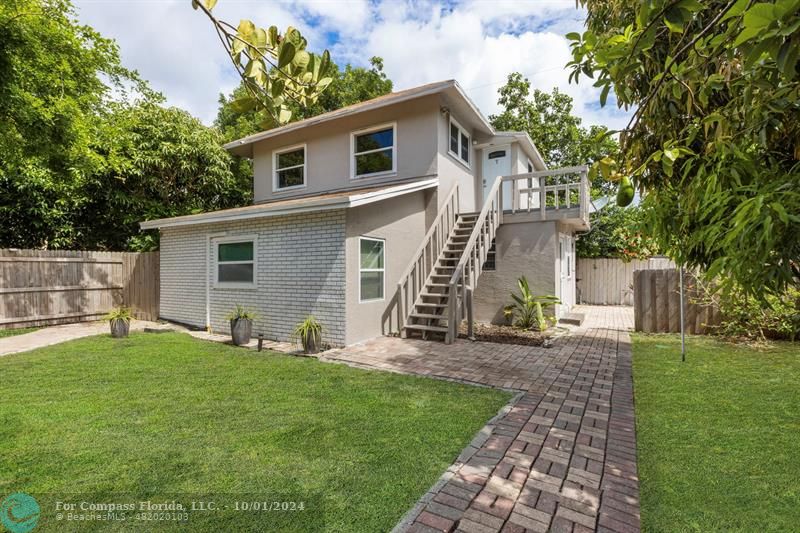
{"x":625,"y":192}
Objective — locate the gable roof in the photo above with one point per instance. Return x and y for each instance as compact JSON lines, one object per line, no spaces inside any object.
{"x":290,"y":206}
{"x":450,"y":88}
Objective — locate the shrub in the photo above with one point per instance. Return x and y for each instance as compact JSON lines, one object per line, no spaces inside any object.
{"x":774,"y":317}
{"x":527,"y":311}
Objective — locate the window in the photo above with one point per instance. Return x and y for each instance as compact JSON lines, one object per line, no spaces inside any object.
{"x":371,"y":269}
{"x":459,"y":142}
{"x":374,"y":151}
{"x":236,"y":262}
{"x":290,"y":168}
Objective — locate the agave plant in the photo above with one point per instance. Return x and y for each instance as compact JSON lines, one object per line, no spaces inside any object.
{"x":527,"y":311}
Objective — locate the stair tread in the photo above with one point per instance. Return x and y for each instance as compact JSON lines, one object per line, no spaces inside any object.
{"x":426,"y":304}
{"x":428,"y":315}
{"x":441,"y":329}
{"x":435,"y":294}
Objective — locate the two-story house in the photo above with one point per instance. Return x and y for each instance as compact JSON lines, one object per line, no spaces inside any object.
{"x":406,"y":213}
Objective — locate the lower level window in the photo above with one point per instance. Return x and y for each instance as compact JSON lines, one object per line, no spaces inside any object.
{"x":236,"y":262}
{"x":371,"y":268}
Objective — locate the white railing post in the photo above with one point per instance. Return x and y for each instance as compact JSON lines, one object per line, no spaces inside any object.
{"x":543,"y":197}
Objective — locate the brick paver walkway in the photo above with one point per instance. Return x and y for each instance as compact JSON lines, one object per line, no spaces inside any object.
{"x":563,"y":458}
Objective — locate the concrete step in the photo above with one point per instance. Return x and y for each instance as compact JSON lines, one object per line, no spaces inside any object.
{"x":573,"y":319}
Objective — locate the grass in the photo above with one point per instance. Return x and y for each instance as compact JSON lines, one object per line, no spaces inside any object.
{"x":15,"y":331}
{"x":166,"y":416}
{"x":718,"y":436}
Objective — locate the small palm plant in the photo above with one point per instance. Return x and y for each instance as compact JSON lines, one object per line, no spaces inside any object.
{"x":119,"y":319}
{"x":309,"y":333}
{"x":527,"y":311}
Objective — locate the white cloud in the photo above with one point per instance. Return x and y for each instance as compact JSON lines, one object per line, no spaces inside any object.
{"x":478,"y":43}
{"x":176,"y":48}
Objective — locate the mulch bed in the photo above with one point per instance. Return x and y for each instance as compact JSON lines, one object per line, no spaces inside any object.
{"x":505,"y":335}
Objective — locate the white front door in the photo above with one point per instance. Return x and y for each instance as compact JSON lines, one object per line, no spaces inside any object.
{"x":566,"y":245}
{"x":497,"y":162}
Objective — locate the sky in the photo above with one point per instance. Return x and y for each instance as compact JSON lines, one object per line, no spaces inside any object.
{"x":476,"y":42}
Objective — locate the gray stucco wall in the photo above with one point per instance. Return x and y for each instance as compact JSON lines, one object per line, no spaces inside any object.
{"x":452,"y":170}
{"x":328,"y":150}
{"x":401,"y":221}
{"x":300,"y":271}
{"x":528,"y":249}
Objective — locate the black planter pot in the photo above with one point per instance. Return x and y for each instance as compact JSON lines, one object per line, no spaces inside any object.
{"x":119,"y":328}
{"x":312,"y":342}
{"x":241,"y":330}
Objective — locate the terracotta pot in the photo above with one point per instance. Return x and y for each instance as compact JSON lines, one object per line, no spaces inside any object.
{"x":119,"y":328}
{"x":241,"y":330}
{"x":312,"y":342}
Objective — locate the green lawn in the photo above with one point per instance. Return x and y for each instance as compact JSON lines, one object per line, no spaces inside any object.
{"x":718,"y":436}
{"x":168,"y":417}
{"x":16,"y":331}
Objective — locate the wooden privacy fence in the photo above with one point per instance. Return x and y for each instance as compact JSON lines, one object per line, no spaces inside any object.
{"x":44,"y":287}
{"x":656,"y":305}
{"x":610,"y":281}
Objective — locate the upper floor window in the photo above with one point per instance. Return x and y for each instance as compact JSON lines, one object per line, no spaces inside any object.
{"x":374,"y":151}
{"x":290,"y":168}
{"x":459,"y":142}
{"x":236,"y":260}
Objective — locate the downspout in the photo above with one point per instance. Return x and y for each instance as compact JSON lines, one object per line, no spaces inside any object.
{"x":209,"y":236}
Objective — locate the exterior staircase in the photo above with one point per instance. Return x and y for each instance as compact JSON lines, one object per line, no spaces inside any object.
{"x":428,"y":317}
{"x":434,"y":294}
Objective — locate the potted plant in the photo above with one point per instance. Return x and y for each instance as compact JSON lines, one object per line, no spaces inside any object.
{"x":309,"y":333}
{"x":119,"y":319}
{"x":241,"y":320}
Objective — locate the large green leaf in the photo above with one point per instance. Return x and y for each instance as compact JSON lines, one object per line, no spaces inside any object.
{"x":286,"y":54}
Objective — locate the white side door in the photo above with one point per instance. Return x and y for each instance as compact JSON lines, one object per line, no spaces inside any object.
{"x":567,"y":260}
{"x":497,"y":162}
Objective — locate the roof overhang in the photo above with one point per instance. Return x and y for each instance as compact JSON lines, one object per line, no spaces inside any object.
{"x":289,"y":207}
{"x":450,"y":90}
{"x":524,"y":140}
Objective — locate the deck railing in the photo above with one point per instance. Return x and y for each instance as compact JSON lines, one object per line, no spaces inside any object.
{"x":563,"y":188}
{"x":419,"y":269}
{"x":469,"y":267}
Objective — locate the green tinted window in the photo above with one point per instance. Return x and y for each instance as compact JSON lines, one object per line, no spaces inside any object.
{"x":236,"y":251}
{"x":371,"y":254}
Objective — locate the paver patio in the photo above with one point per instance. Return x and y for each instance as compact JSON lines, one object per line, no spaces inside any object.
{"x":563,"y":458}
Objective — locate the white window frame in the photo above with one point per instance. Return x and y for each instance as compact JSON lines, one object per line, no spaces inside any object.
{"x":279,"y":151}
{"x":356,"y":133}
{"x":461,"y":131}
{"x":382,"y":270}
{"x":235,"y":284}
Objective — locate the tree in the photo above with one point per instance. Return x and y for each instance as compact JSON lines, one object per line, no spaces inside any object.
{"x":276,"y":69}
{"x":349,"y":86}
{"x":157,"y":162}
{"x":617,"y":232}
{"x":55,"y":79}
{"x":713,"y":142}
{"x":78,"y":168}
{"x":557,"y":133}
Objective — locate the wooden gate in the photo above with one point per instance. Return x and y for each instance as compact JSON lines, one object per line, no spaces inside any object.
{"x":657,"y":303}
{"x":610,"y":281}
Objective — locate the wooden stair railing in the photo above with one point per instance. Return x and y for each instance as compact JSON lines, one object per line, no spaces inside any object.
{"x":470,"y":265}
{"x":416,"y":275}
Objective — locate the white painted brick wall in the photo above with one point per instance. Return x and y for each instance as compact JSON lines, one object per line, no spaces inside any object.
{"x":301,"y":271}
